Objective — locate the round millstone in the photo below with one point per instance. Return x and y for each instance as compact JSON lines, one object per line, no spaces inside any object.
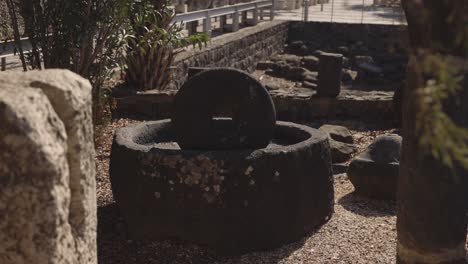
{"x":223,"y":92}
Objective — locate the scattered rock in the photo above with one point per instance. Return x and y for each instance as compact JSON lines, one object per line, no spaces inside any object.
{"x":265,"y":65}
{"x":311,"y":77}
{"x":296,"y":44}
{"x":317,"y":53}
{"x":290,"y":59}
{"x":309,"y":85}
{"x":338,"y":133}
{"x":271,"y":86}
{"x":297,"y":47}
{"x":270,"y":72}
{"x":310,"y":62}
{"x":340,"y":151}
{"x":369,"y":67}
{"x":295,"y":73}
{"x":374,"y":173}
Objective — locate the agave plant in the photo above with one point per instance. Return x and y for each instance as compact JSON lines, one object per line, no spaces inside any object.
{"x":153,"y":43}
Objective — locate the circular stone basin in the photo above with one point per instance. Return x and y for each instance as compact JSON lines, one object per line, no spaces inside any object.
{"x":234,"y":201}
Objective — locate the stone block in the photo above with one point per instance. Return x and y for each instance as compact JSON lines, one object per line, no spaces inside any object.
{"x":47,"y":158}
{"x":330,"y":71}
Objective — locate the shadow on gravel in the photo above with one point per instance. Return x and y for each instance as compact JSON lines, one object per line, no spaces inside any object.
{"x":367,"y":207}
{"x":115,"y":246}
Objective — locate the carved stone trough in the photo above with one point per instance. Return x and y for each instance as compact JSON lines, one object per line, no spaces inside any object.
{"x":234,"y":198}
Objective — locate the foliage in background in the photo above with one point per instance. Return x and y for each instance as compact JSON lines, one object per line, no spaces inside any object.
{"x":5,"y":23}
{"x":77,"y":35}
{"x":152,"y":42}
{"x":443,"y":67}
{"x":440,"y":135}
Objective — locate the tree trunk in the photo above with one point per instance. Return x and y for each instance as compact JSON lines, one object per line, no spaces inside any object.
{"x":432,"y":198}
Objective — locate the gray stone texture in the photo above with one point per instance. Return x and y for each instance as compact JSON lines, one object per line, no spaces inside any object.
{"x":47,"y":170}
{"x":339,"y":133}
{"x":329,"y":78}
{"x":374,"y":172}
{"x":241,"y":50}
{"x":340,"y":151}
{"x":234,"y":201}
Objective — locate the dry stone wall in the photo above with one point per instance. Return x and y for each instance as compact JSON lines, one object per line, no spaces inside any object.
{"x":241,"y":50}
{"x":47,"y":170}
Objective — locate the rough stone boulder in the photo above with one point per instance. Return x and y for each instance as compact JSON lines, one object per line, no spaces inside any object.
{"x":47,"y":170}
{"x":338,"y":133}
{"x":374,"y":173}
{"x":341,"y":142}
{"x":341,"y":152}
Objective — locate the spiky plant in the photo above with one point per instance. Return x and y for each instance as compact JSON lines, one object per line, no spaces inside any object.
{"x":152,"y":44}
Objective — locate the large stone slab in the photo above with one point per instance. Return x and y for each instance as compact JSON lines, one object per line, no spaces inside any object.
{"x":47,"y":113}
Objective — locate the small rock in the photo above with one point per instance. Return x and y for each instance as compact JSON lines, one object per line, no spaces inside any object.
{"x":270,"y":72}
{"x":271,"y":86}
{"x":340,"y":151}
{"x":310,"y":62}
{"x":311,"y":76}
{"x":309,"y":85}
{"x":317,"y":53}
{"x":369,"y":67}
{"x":296,"y":44}
{"x":264,"y":65}
{"x":338,"y":133}
{"x":290,"y":59}
{"x":295,"y":73}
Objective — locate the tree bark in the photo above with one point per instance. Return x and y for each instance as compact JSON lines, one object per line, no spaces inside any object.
{"x":432,"y":198}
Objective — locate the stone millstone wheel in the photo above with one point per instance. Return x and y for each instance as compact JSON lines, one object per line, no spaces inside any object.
{"x":229,"y":92}
{"x":234,"y":201}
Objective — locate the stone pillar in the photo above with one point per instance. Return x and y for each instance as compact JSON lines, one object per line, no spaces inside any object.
{"x":207,"y":24}
{"x":222,"y":23}
{"x":47,"y":170}
{"x":244,"y":18}
{"x":192,"y":27}
{"x":235,"y":21}
{"x":329,"y":78}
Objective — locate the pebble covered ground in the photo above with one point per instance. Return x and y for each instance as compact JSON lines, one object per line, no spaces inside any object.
{"x":360,"y":231}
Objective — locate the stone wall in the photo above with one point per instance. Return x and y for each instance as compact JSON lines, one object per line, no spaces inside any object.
{"x":241,"y":50}
{"x":47,"y":170}
{"x":370,"y":37}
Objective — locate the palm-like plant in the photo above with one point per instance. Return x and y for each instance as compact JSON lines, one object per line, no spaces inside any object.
{"x":152,"y":44}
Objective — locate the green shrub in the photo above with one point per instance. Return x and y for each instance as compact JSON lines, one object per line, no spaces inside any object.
{"x":151,"y":44}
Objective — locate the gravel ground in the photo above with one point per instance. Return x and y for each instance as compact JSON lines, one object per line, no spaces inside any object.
{"x":360,"y":231}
